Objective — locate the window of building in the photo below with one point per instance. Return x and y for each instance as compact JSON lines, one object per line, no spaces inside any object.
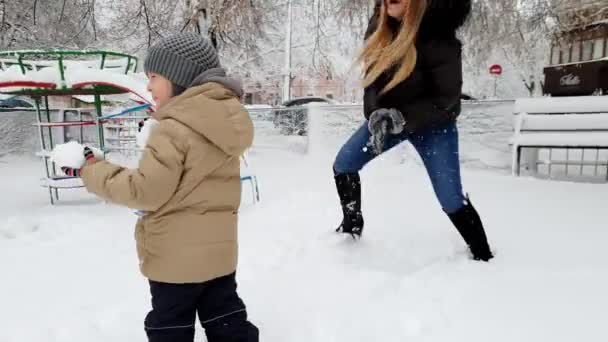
{"x":576,"y":51}
{"x":587,"y":50}
{"x":555,"y":55}
{"x":599,"y":48}
{"x":565,"y":54}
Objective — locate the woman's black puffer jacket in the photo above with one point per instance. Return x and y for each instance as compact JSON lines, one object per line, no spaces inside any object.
{"x":430,"y":96}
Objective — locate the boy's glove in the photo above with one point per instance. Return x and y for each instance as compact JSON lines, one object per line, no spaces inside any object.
{"x":141,"y":124}
{"x":72,"y":172}
{"x":381,"y":122}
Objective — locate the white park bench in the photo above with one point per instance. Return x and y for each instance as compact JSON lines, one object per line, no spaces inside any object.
{"x":564,"y":123}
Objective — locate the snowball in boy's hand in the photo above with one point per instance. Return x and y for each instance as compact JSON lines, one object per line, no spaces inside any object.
{"x":70,"y":155}
{"x":143,"y":136}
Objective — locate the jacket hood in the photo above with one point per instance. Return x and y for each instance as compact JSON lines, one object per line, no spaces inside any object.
{"x":215,"y":112}
{"x":444,"y":18}
{"x":218,"y":75}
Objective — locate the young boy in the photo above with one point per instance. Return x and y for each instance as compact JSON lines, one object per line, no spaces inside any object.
{"x":188,"y":186}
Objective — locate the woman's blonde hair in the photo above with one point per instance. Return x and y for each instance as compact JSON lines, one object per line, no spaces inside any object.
{"x":384,"y":51}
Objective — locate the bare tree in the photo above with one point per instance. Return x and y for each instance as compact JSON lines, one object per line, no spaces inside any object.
{"x":518,"y":33}
{"x":250,"y":34}
{"x":47,"y":24}
{"x":137,"y":24}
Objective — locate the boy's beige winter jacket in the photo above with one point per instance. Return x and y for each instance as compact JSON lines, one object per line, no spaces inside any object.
{"x":188,"y":180}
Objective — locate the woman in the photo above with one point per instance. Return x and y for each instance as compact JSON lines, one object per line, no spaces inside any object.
{"x":413,"y":81}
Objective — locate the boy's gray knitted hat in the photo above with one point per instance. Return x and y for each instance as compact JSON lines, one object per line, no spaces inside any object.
{"x":181,"y":58}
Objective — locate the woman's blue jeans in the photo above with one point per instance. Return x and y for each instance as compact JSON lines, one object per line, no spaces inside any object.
{"x":438,"y":149}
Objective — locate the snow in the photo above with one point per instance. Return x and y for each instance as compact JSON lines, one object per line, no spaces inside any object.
{"x":78,"y":75}
{"x":573,"y":104}
{"x":540,"y":130}
{"x":71,"y":154}
{"x":45,"y":75}
{"x":589,"y":139}
{"x":566,"y":122}
{"x":12,"y":73}
{"x":70,"y":272}
{"x":92,"y":76}
{"x":66,"y":183}
{"x":110,"y":98}
{"x":49,"y":75}
{"x":258,"y":106}
{"x":111,"y":64}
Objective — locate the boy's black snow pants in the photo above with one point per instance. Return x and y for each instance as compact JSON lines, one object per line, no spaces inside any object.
{"x":220,"y":310}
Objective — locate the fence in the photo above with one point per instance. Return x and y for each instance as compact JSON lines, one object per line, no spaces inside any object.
{"x":485,"y":129}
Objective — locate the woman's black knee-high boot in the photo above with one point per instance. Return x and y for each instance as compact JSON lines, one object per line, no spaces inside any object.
{"x":469,"y":225}
{"x":349,"y":191}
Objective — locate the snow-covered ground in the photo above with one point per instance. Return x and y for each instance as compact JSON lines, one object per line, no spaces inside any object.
{"x":69,"y":273}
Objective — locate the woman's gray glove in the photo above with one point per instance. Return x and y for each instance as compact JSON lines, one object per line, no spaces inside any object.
{"x":381,"y":122}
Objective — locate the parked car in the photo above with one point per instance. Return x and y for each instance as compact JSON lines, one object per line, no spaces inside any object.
{"x":291,"y":118}
{"x":14,"y":104}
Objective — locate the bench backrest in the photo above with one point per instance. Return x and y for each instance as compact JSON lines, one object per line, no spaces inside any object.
{"x":562,"y":114}
{"x":565,"y":122}
{"x":562,"y":105}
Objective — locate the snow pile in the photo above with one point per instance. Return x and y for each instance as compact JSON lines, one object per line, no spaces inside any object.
{"x":578,"y":130}
{"x":566,"y":122}
{"x":143,"y":135}
{"x":45,"y":75}
{"x":116,"y":65}
{"x":71,"y":154}
{"x":78,"y":75}
{"x":317,"y":104}
{"x":408,"y":279}
{"x":572,"y":104}
{"x":12,"y":73}
{"x":589,"y":139}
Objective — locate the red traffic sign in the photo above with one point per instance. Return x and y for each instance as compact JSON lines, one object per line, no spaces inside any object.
{"x":496,"y":69}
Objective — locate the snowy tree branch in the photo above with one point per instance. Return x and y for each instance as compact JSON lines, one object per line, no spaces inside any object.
{"x":62,"y":11}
